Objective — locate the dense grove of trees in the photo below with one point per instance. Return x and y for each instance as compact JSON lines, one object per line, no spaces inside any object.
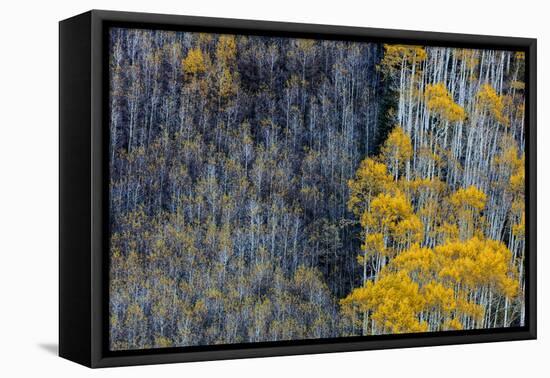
{"x":268,"y":189}
{"x":442,"y":207}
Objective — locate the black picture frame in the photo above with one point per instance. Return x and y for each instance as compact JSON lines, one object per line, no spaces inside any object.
{"x":83,"y":172}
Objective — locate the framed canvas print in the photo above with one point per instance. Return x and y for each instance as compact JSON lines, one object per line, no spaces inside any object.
{"x":234,"y":188}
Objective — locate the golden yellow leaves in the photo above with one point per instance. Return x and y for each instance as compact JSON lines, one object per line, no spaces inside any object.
{"x":469,"y":57}
{"x":517,"y":179}
{"x":386,"y":210}
{"x":226,"y":50}
{"x":395,"y":55}
{"x":431,"y":238}
{"x":305,"y":45}
{"x":470,"y":197}
{"x":509,"y":157}
{"x":409,"y":230}
{"x":397,"y":149}
{"x":466,"y":206}
{"x":371,"y":179}
{"x":194,"y":62}
{"x":374,"y":242}
{"x":413,"y":287}
{"x":426,"y":185}
{"x":394,"y":301}
{"x":489,"y":100}
{"x":447,"y":231}
{"x":518,"y":85}
{"x":162,"y":342}
{"x":417,"y":261}
{"x":439,"y":298}
{"x":520,"y":55}
{"x":440,"y":101}
{"x":509,"y":160}
{"x":478,"y":263}
{"x":398,"y":143}
{"x":393,"y":215}
{"x":134,"y":313}
{"x":227,"y":83}
{"x":470,"y":309}
{"x":226,"y":53}
{"x":423,"y":281}
{"x":452,"y":325}
{"x":199,"y":62}
{"x":204,"y":39}
{"x":518,"y":229}
{"x":513,"y":164}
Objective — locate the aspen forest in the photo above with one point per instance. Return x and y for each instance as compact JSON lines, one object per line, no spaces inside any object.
{"x":269,"y":189}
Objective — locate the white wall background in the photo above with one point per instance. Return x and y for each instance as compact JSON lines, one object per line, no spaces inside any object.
{"x":29,"y":186}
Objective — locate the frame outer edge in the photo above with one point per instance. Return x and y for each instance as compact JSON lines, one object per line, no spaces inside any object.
{"x":96,"y":203}
{"x":74,"y":192}
{"x":98,"y":294}
{"x":532,"y":194}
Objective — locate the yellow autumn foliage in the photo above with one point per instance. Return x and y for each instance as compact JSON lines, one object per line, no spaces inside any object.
{"x":416,"y":261}
{"x":448,"y":231}
{"x":509,"y":157}
{"x":409,"y":230}
{"x":305,"y":45}
{"x":397,"y":150}
{"x":226,"y":50}
{"x":416,"y":185}
{"x":194,"y":62}
{"x":392,"y":216}
{"x":516,"y":84}
{"x":492,"y":102}
{"x":477,"y":263}
{"x":469,"y":198}
{"x":428,"y":261}
{"x":394,"y":301}
{"x":440,"y":101}
{"x":469,"y":57}
{"x":452,"y":325}
{"x":422,"y":281}
{"x":517,"y":179}
{"x":520,"y":55}
{"x":162,"y":342}
{"x":518,"y":229}
{"x":395,"y":55}
{"x":371,"y":179}
{"x":374,"y":242}
{"x":439,"y":297}
{"x":387,"y":210}
{"x":226,"y":82}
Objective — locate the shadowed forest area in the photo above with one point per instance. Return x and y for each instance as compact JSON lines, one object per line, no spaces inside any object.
{"x":267,"y":189}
